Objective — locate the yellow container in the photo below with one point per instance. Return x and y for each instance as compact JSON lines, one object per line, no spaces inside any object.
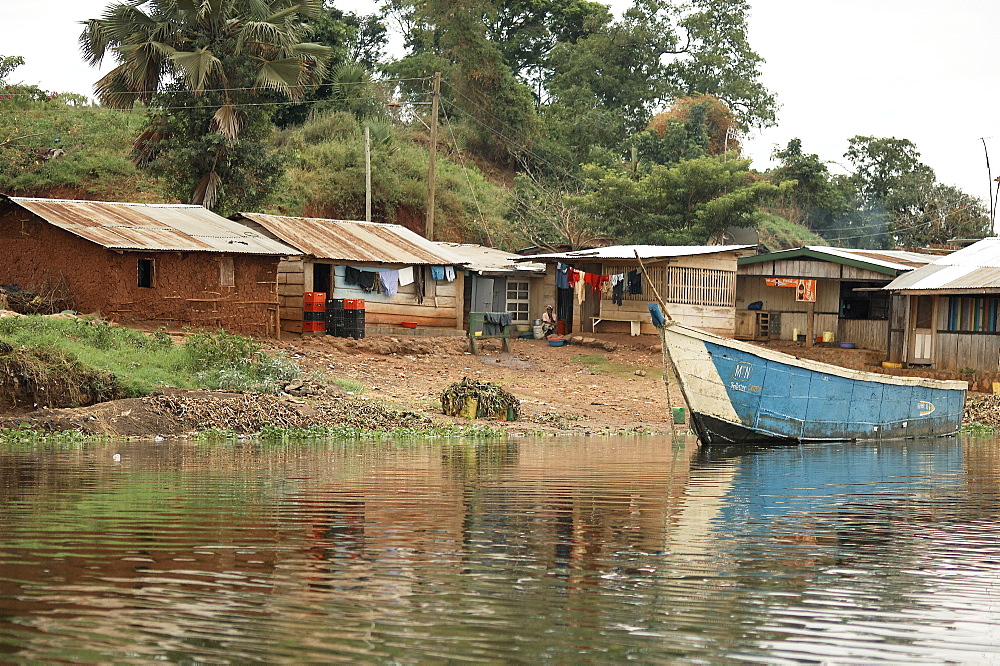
{"x":827,"y":336}
{"x":889,"y":364}
{"x":469,"y":408}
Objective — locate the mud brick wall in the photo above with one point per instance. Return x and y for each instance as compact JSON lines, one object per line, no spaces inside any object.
{"x":235,"y":292}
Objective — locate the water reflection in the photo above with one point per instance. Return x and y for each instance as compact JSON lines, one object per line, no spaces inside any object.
{"x":599,"y":549}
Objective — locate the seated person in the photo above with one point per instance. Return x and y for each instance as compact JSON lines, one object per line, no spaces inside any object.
{"x":548,"y":321}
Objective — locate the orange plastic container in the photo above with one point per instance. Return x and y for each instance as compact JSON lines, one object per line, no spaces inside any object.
{"x":314,"y":326}
{"x":354,"y":304}
{"x":314,"y":307}
{"x":314,"y":297}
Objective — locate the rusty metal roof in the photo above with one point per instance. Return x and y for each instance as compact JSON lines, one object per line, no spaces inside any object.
{"x":348,"y":240}
{"x":152,"y":227}
{"x":973,"y":268}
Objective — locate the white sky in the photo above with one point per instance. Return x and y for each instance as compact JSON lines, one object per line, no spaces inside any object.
{"x":924,"y":70}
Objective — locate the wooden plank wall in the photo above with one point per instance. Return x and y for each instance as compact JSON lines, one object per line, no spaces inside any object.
{"x":865,"y":333}
{"x":291,"y":285}
{"x":441,"y":306}
{"x":781,"y":300}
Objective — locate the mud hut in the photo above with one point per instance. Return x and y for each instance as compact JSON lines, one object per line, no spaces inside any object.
{"x":143,"y":264}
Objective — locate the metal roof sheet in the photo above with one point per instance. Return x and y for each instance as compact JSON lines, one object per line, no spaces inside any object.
{"x":491,"y":260}
{"x":882,"y":261}
{"x":974,"y":267}
{"x":646,"y":252}
{"x":152,"y":227}
{"x":349,"y":240}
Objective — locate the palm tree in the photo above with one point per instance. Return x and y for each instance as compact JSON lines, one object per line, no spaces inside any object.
{"x":238,"y":53}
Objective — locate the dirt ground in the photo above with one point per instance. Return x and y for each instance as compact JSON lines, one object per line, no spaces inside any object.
{"x":597,"y":384}
{"x":594,"y":384}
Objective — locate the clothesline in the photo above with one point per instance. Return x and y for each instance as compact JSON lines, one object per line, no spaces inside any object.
{"x":571,"y":278}
{"x":389,"y":280}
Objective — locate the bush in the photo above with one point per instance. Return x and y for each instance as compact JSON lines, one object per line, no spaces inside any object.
{"x":235,"y":362}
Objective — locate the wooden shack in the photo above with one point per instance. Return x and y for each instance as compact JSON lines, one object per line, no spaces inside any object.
{"x":697,"y":282}
{"x":146,"y":264}
{"x":949,"y":317}
{"x":809,"y":291}
{"x":495,"y":281}
{"x":429,"y":292}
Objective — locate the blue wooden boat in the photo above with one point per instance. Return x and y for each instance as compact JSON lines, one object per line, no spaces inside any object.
{"x":740,"y":393}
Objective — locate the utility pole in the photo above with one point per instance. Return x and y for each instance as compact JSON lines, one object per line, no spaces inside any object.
{"x":993,"y":197}
{"x":429,"y":228}
{"x":368,"y":174}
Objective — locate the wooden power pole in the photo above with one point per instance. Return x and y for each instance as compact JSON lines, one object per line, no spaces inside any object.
{"x":429,"y":228}
{"x":368,"y":174}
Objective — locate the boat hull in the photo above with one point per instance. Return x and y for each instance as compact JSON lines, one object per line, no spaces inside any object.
{"x":740,"y":393}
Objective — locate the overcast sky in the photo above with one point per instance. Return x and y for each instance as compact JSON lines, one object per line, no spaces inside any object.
{"x":923,"y":70}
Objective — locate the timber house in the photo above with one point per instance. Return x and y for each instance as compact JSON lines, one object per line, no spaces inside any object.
{"x":347,"y":260}
{"x":697,"y":282}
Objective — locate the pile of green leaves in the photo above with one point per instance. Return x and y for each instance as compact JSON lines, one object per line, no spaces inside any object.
{"x":493,"y":400}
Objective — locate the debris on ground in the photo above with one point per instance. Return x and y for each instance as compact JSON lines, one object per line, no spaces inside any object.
{"x":489,"y":400}
{"x":12,"y":297}
{"x":251,"y":412}
{"x":983,"y":410}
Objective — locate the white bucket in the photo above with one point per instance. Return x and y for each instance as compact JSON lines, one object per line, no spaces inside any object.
{"x":537,"y":332}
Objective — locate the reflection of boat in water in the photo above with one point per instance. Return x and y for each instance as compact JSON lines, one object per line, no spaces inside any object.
{"x":742,"y":393}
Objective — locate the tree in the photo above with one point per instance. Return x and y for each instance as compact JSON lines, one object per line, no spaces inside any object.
{"x":679,"y":205}
{"x":209,"y":69}
{"x":693,"y":127}
{"x":499,"y":111}
{"x":546,"y":215}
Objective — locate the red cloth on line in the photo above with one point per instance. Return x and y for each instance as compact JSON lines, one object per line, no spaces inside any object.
{"x":572,"y":277}
{"x":596,"y":281}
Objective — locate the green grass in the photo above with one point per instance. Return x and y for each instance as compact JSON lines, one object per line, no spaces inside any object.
{"x":142,"y":363}
{"x":600,"y":364}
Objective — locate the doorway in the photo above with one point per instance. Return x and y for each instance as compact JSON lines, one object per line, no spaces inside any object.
{"x":922,"y":330}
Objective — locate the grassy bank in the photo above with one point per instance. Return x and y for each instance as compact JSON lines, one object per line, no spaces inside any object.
{"x":50,"y":356}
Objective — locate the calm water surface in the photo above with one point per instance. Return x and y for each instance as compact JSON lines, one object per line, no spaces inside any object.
{"x":553,"y":549}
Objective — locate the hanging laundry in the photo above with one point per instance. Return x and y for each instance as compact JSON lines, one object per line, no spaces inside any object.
{"x":562,"y":275}
{"x":595,"y":281}
{"x":405,"y":276}
{"x":390,"y":281}
{"x":572,"y":277}
{"x":618,"y":292}
{"x":437,"y":272}
{"x":579,"y":292}
{"x":635,"y":282}
{"x":368,"y":280}
{"x":418,"y":283}
{"x":449,"y":273}
{"x":352,"y":276}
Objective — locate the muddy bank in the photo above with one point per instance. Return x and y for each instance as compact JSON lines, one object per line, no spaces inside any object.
{"x":383,"y":382}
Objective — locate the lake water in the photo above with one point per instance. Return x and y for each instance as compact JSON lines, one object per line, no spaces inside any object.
{"x":559,"y":549}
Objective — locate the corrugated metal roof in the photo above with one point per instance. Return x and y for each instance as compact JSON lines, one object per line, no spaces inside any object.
{"x":491,"y":260}
{"x":646,"y":252}
{"x":152,"y":227}
{"x":348,"y":240}
{"x":882,"y":261}
{"x":976,"y":267}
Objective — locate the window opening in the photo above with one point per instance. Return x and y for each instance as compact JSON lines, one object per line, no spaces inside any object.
{"x":146,"y":273}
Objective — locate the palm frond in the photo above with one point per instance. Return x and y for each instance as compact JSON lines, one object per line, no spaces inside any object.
{"x":206,"y":192}
{"x":114,"y":90}
{"x":228,"y":121}
{"x":197,"y":66}
{"x":281,"y":75}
